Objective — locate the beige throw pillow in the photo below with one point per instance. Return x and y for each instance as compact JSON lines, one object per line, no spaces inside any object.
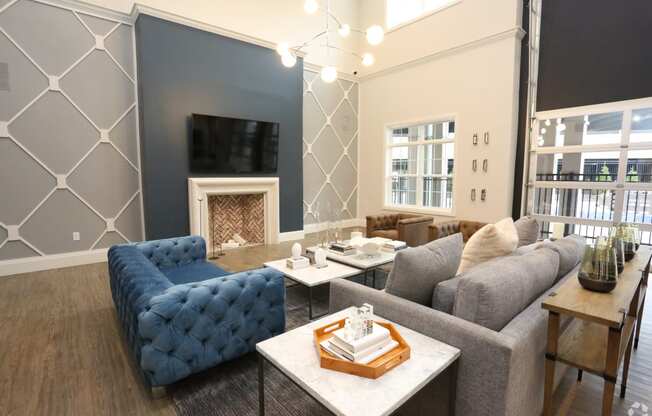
{"x":490,"y":241}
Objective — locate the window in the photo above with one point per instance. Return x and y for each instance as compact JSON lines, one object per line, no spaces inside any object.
{"x":402,"y":11}
{"x":419,"y":165}
{"x":593,"y":169}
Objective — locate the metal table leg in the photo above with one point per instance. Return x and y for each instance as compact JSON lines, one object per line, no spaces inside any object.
{"x":261,"y":385}
{"x":310,"y":315}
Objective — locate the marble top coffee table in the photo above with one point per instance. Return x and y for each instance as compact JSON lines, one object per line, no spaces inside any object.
{"x":294,"y":354}
{"x":360,"y":261}
{"x":312,"y":276}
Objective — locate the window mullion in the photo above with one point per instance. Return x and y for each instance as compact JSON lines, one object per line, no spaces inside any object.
{"x":622,"y":166}
{"x":420,"y":175}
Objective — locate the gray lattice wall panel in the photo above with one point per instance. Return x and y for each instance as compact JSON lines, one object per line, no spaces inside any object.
{"x":68,"y":132}
{"x":330,"y":147}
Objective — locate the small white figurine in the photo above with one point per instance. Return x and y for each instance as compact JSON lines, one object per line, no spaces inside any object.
{"x":296,"y":251}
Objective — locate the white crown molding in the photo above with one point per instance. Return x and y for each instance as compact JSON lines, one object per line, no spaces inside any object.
{"x":93,"y":10}
{"x":139,"y":9}
{"x":515,"y":32}
{"x":55,"y":261}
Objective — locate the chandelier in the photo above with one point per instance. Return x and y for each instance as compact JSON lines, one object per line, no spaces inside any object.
{"x":374,"y":35}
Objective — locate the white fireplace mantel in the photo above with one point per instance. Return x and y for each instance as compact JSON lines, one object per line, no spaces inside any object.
{"x":199,"y":189}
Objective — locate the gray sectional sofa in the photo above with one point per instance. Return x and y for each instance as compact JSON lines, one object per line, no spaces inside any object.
{"x":493,"y":314}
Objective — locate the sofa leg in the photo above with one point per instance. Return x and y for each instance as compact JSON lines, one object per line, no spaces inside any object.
{"x":158,"y":392}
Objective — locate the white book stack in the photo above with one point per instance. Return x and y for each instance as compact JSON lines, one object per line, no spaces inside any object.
{"x":363,"y":350}
{"x":394,"y":246}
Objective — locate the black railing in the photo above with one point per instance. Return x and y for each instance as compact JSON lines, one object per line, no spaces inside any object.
{"x":432,"y":192}
{"x":592,"y":177}
{"x":589,"y":232}
{"x":594,"y":204}
{"x":437,"y":192}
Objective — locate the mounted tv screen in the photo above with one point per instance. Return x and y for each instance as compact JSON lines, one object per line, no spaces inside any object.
{"x":233,"y":145}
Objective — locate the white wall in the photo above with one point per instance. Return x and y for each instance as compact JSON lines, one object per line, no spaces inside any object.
{"x":463,"y":22}
{"x":476,"y":79}
{"x":274,"y":21}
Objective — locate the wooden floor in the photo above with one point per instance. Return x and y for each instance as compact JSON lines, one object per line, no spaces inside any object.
{"x":62,"y":353}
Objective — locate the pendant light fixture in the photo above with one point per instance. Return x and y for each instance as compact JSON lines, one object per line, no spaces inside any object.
{"x":374,"y":35}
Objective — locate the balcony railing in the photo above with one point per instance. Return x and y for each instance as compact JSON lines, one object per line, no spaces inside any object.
{"x":592,"y":177}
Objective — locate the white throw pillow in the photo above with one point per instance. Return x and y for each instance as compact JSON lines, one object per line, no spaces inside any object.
{"x":490,"y":241}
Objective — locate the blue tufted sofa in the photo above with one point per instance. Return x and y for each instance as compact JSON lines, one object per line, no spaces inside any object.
{"x":181,"y":314}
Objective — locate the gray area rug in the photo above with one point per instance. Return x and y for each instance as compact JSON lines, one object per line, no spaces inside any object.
{"x":231,"y":389}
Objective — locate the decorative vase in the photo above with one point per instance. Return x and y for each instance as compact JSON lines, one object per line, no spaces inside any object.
{"x":628,"y":234}
{"x":599,"y":270}
{"x":320,"y":258}
{"x":616,"y":242}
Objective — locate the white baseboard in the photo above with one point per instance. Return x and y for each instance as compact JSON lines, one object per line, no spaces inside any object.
{"x":353,"y":222}
{"x":291,"y":236}
{"x":55,"y":261}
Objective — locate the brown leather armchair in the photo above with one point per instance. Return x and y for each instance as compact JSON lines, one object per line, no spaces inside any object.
{"x":413,"y":229}
{"x":443,"y":229}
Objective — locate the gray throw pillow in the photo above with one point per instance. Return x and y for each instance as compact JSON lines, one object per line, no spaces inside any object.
{"x":570,"y":250}
{"x":417,"y":270}
{"x":492,"y":296}
{"x":528,"y":230}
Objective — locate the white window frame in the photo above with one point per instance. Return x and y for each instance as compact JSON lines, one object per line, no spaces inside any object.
{"x":422,"y":16}
{"x":387,"y":166}
{"x":619,"y":187}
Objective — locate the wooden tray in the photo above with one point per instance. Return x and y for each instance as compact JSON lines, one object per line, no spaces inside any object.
{"x":374,"y":369}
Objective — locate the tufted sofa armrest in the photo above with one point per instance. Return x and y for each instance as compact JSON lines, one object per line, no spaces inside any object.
{"x":191,"y":327}
{"x":414,"y":230}
{"x":174,"y":252}
{"x":134,"y":281}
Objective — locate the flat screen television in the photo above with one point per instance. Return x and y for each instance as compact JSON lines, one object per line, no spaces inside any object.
{"x":233,"y":145}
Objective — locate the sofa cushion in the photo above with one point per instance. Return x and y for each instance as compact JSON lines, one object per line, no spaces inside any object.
{"x":492,"y":296}
{"x":443,"y":297}
{"x":527,"y":229}
{"x":492,"y":240}
{"x":528,"y":248}
{"x":193,"y":272}
{"x":570,"y":250}
{"x":417,"y":270}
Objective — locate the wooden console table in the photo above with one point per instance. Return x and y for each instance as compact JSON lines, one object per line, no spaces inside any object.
{"x":604,"y":327}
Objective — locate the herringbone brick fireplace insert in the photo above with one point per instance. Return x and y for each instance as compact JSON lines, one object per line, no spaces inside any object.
{"x":237,"y":215}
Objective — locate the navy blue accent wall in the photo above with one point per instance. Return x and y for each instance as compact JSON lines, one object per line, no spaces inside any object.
{"x":182,"y":70}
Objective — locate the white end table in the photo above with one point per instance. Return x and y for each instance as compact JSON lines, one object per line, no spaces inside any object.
{"x":312,"y":276}
{"x":294,"y":354}
{"x":360,"y":261}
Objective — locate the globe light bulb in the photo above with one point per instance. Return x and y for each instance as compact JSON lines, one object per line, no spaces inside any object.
{"x":288,"y":60}
{"x":328,"y":74}
{"x":375,"y":34}
{"x":311,"y":6}
{"x":368,"y":59}
{"x":543,"y":130}
{"x":547,"y":122}
{"x":283,"y":48}
{"x":344,"y":30}
{"x":636,"y":118}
